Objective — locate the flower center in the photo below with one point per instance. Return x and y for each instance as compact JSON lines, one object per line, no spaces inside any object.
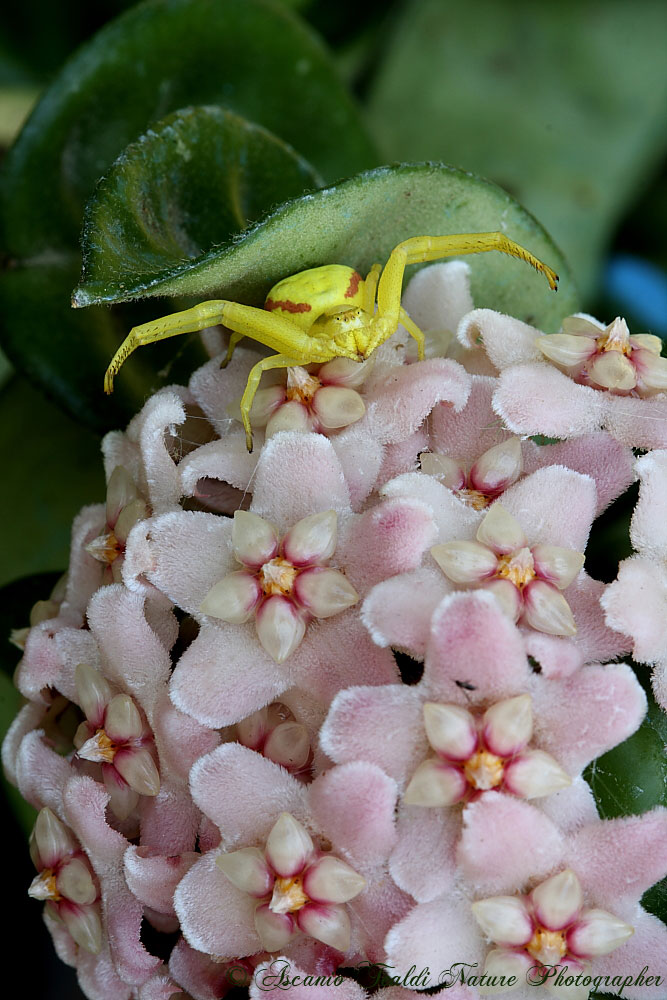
{"x":99,"y":749}
{"x":104,"y":548}
{"x":43,"y":886}
{"x":288,"y":895}
{"x":301,"y":385}
{"x":547,"y":947}
{"x":518,"y":567}
{"x":277,"y":577}
{"x":474,"y":498}
{"x":615,"y":338}
{"x":484,"y":770}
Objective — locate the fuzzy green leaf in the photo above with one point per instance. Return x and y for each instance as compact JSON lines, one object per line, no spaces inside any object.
{"x":253,"y":57}
{"x":356,"y":222}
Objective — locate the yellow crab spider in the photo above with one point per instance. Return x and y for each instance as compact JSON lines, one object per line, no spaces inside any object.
{"x":323,"y":313}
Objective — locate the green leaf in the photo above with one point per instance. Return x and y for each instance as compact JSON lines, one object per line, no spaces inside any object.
{"x":194,"y":180}
{"x":254,"y":57}
{"x":52,"y":467}
{"x":356,"y":222}
{"x":562,"y":104}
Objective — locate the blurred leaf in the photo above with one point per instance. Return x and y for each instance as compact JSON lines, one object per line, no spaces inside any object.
{"x":356,"y":222}
{"x":52,"y":468}
{"x":193,"y":181}
{"x":562,"y":104}
{"x":632,"y":778}
{"x":255,"y":57}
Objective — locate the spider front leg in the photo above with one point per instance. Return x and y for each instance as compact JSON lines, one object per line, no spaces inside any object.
{"x":190,"y":320}
{"x":425,"y":248}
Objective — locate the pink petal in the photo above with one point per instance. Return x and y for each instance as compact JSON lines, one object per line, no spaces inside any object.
{"x":423,"y":862}
{"x":244,"y":793}
{"x":190,"y":551}
{"x":647,"y":530}
{"x":213,"y":387}
{"x":537,"y":502}
{"x":538,"y":399}
{"x":438,"y":296}
{"x":388,"y":539}
{"x":417,"y":940}
{"x":397,"y":612}
{"x":197,"y":973}
{"x":597,"y":455}
{"x":226,"y":462}
{"x":506,"y":842}
{"x":459,"y":650}
{"x":595,"y":639}
{"x":348,"y":791}
{"x":382,"y":725}
{"x":399,"y":404}
{"x":636,"y":604}
{"x":640,"y":423}
{"x":85,"y":802}
{"x":466,"y":435}
{"x":27,"y":719}
{"x":404,"y":455}
{"x":98,"y":977}
{"x":199,"y":900}
{"x":162,"y":410}
{"x":507,"y":341}
{"x":588,"y":713}
{"x":360,"y":457}
{"x":211,"y":681}
{"x":620,"y":858}
{"x":154,"y":877}
{"x":41,"y":774}
{"x":453,"y":518}
{"x":297,"y":476}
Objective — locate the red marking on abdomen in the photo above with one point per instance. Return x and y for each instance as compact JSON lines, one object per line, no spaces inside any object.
{"x":353,"y":287}
{"x":288,"y":305}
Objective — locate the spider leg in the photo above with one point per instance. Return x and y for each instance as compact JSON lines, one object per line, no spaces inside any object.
{"x":425,"y":248}
{"x":275,"y":361}
{"x":371,"y":284}
{"x":198,"y":318}
{"x":233,"y":341}
{"x":414,"y":332}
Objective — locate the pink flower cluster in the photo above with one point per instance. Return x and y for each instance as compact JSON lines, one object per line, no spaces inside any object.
{"x":248,"y":771}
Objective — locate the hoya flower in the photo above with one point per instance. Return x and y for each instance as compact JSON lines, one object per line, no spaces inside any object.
{"x":636,"y":603}
{"x":65,"y":881}
{"x":297,"y":887}
{"x":323,"y":399}
{"x":607,"y":357}
{"x":226,"y":674}
{"x":548,"y":927}
{"x":116,"y":736}
{"x":578,"y":905}
{"x":551,"y":510}
{"x":296,"y":862}
{"x":526,"y":580}
{"x":477,"y":753}
{"x":472,"y":454}
{"x":124,"y":507}
{"x":601,"y":388}
{"x":284,"y":583}
{"x":502,"y":733}
{"x":41,"y":611}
